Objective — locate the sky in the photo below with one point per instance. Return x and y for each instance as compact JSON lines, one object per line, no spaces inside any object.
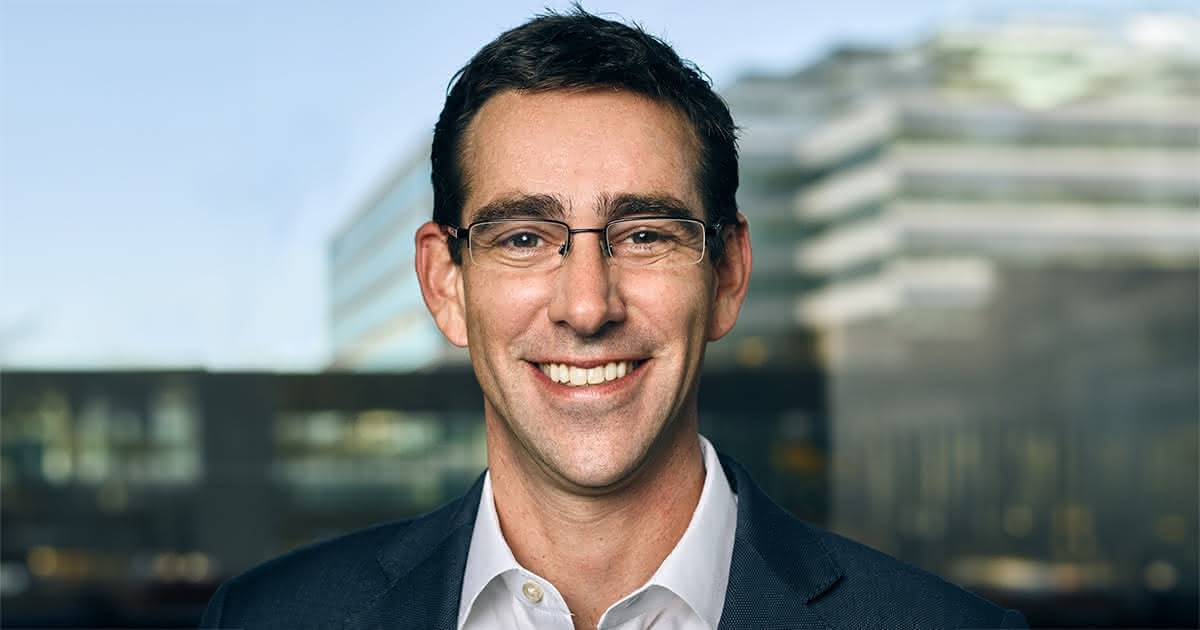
{"x":171,"y":171}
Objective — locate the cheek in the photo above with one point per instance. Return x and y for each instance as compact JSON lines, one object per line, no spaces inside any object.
{"x":672,"y":305}
{"x":502,"y":307}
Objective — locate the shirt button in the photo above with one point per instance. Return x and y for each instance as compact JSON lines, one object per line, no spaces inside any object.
{"x":531,"y":591}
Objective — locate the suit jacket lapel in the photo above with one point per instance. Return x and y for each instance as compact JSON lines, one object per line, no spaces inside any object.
{"x":424,"y":568}
{"x":778,"y":567}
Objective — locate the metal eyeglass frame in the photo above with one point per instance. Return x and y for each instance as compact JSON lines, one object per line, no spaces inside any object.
{"x":464,"y":233}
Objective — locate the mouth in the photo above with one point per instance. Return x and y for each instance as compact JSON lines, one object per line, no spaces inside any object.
{"x":577,"y":376}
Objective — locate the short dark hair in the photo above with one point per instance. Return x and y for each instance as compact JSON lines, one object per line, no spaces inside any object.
{"x":576,"y":51}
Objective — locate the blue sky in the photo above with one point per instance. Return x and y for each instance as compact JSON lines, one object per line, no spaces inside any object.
{"x":171,"y":170}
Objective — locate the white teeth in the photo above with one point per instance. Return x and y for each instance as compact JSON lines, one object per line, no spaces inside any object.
{"x":577,"y":376}
{"x":596,"y":375}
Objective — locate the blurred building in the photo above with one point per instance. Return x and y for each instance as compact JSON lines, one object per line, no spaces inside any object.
{"x":377,"y":318}
{"x":880,"y":180}
{"x":992,"y":238}
{"x":126,"y":497}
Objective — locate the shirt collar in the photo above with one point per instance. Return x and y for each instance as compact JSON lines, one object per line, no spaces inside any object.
{"x":489,"y":555}
{"x":696,"y":570}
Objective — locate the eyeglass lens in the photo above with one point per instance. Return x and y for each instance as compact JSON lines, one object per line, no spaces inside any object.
{"x":634,"y":242}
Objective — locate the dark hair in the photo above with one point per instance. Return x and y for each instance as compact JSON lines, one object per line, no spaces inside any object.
{"x":575,"y":51}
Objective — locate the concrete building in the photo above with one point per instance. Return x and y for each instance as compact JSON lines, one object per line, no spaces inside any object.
{"x":378,"y":321}
{"x":991,"y":242}
{"x":880,"y":180}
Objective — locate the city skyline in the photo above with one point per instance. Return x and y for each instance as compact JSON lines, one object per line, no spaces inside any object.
{"x":172,"y":174}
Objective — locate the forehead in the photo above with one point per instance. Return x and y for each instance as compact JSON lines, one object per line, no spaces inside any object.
{"x":580,"y":147}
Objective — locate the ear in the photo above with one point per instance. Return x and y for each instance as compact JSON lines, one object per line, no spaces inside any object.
{"x":733,"y":278}
{"x":441,"y":283}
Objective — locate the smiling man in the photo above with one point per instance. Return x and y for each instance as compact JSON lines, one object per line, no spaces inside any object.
{"x":585,"y":247}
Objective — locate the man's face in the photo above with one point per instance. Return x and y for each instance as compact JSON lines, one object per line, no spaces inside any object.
{"x":588,"y":153}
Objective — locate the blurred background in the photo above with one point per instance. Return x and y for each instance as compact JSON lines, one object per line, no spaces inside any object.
{"x":971,"y":338}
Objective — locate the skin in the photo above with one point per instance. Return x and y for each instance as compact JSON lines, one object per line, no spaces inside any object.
{"x":594,"y":485}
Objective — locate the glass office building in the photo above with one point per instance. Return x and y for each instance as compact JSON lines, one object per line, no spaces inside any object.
{"x":378,"y":321}
{"x":992,"y":240}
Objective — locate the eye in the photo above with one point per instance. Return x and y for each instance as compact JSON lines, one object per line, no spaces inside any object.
{"x":645,"y":237}
{"x":521,"y":240}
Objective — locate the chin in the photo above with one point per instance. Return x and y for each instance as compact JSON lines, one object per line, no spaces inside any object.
{"x":600,"y":473}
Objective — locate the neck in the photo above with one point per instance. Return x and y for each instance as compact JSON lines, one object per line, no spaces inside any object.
{"x":598,"y":548}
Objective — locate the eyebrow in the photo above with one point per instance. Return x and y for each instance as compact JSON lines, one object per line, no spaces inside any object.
{"x":541,"y":206}
{"x":635,"y":204}
{"x":521,"y":207}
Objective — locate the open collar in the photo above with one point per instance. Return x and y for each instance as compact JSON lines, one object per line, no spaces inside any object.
{"x":779,"y":566}
{"x":696,"y":571}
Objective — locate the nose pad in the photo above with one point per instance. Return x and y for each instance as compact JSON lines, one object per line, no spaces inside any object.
{"x":601,"y":234}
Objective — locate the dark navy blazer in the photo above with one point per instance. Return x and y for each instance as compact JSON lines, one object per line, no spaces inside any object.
{"x":408,"y":574}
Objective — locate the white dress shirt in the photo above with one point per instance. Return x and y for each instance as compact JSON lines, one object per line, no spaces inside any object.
{"x":687,"y":591}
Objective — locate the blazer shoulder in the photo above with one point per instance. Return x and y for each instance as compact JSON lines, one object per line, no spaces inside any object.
{"x":795,"y":570}
{"x":883,"y":591}
{"x":315,"y":585}
{"x":306,"y":587}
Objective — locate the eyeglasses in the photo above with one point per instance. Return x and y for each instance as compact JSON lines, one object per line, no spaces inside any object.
{"x":633,"y":242}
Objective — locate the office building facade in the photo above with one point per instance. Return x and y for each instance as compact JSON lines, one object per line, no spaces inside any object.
{"x":991,"y":240}
{"x":377,"y":319}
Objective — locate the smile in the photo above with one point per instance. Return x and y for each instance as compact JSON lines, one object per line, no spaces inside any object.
{"x":575,"y":376}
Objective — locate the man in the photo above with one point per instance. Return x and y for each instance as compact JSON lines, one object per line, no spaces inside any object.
{"x":585,"y":247}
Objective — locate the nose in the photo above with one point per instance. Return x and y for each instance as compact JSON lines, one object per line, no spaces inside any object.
{"x":585,"y":292}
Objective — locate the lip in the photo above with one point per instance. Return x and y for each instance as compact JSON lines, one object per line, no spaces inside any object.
{"x":631,"y":377}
